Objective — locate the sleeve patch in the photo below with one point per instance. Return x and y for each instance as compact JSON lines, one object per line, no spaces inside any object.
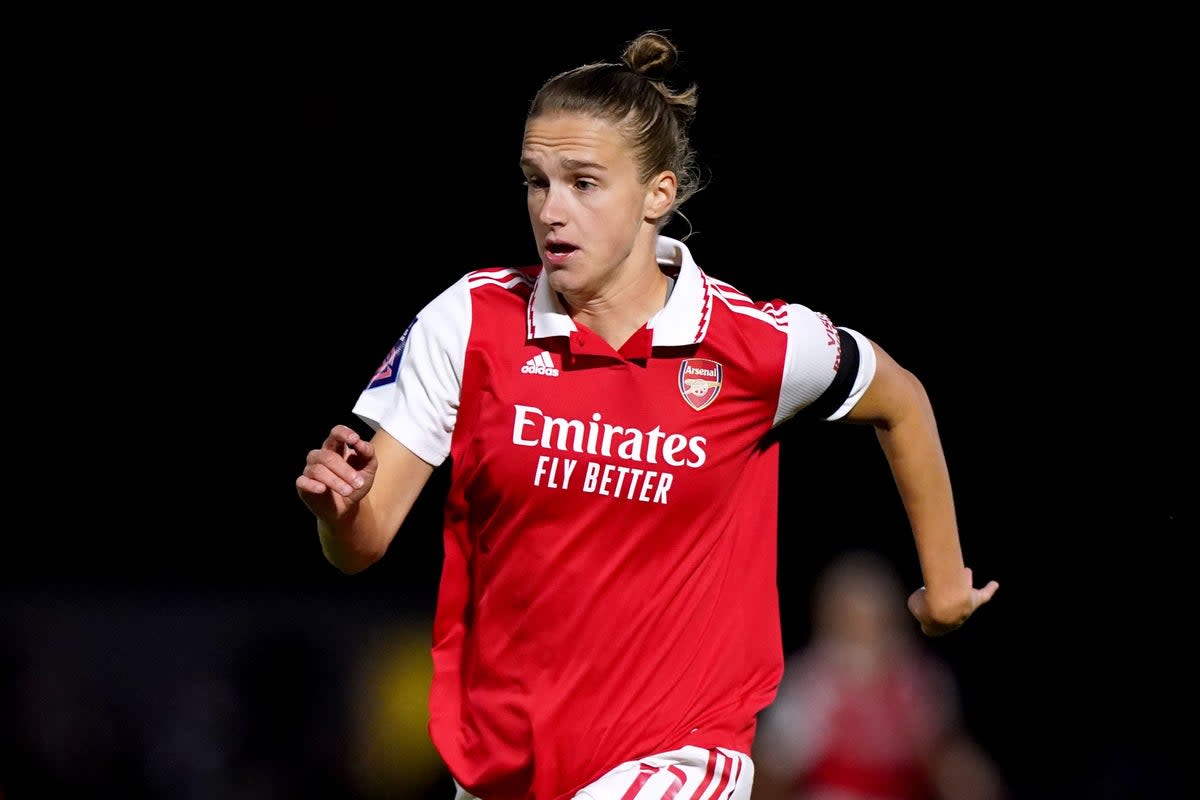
{"x":391,"y":364}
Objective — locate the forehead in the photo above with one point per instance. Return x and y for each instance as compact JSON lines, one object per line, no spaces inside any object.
{"x":550,"y":138}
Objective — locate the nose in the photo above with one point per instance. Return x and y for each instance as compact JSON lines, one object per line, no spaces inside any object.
{"x":552,"y":211}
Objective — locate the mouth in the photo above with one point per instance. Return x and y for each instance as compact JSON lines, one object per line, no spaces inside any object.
{"x":559,"y":252}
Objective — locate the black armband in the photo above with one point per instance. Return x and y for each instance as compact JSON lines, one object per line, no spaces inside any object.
{"x":843,"y":383}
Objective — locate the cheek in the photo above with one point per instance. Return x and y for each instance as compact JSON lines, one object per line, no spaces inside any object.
{"x":534,"y":206}
{"x":616,"y":207}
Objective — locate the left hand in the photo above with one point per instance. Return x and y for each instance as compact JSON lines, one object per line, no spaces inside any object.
{"x":942,"y":617}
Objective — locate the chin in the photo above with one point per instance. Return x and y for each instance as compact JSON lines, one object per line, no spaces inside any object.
{"x":562,"y":280}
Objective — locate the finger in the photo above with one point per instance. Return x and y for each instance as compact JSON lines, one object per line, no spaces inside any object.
{"x":985,"y":594}
{"x":335,"y":462}
{"x":341,"y":436}
{"x":915,"y":601}
{"x":363,"y":448}
{"x":309,"y":486}
{"x":343,"y":481}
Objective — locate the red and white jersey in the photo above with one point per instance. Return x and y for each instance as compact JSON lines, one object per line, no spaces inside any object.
{"x":609,"y":588}
{"x":839,"y":731}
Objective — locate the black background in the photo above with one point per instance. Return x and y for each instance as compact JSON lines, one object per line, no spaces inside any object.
{"x":243,"y":214}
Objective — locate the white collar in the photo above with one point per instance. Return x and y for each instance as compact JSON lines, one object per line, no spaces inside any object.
{"x":682,"y":321}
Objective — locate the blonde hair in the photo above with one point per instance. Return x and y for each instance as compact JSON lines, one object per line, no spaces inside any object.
{"x":634,"y":96}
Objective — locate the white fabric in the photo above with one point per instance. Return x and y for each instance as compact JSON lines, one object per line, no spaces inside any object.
{"x":685,"y":770}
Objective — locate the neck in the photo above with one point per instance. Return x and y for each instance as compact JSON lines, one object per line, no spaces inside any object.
{"x":617,"y":314}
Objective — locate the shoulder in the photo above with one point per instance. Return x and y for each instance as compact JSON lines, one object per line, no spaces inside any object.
{"x":518,"y":280}
{"x":484,"y":288}
{"x":774,"y":313}
{"x":734,"y":297}
{"x":703,"y":293}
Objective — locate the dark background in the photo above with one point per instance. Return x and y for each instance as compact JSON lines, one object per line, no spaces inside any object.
{"x":242,"y":214}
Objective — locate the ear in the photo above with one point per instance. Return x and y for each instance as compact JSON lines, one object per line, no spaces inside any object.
{"x":660,"y":195}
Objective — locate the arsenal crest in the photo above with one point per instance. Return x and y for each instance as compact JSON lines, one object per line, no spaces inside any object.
{"x":699,"y":381}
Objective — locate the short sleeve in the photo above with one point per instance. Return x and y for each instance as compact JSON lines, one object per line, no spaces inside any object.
{"x":414,"y":395}
{"x":826,"y":370}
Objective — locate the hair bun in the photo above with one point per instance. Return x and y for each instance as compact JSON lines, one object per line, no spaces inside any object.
{"x":651,"y":55}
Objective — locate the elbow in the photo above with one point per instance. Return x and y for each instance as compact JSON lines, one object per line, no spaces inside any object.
{"x":913,"y":389}
{"x":349,"y":561}
{"x":351,"y":567}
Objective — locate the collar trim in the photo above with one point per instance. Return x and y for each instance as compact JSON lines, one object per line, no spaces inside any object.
{"x":682,"y":321}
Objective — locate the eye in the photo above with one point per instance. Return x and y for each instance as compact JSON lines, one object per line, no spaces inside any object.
{"x":535,"y":182}
{"x":585,"y":184}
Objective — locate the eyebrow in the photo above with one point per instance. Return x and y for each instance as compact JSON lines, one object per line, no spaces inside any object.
{"x":572,"y":164}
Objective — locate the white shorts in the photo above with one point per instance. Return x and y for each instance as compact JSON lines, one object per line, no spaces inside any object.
{"x":689,"y":773}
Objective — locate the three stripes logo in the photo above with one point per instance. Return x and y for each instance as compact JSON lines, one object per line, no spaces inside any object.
{"x":540,"y":365}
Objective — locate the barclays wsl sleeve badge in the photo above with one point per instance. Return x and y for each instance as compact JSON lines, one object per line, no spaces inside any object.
{"x":700,"y":381}
{"x":391,"y":363}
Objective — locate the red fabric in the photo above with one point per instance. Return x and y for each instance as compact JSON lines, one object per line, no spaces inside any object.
{"x":582,"y":624}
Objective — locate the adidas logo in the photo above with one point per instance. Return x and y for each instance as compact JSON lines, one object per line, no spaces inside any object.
{"x":540,"y":365}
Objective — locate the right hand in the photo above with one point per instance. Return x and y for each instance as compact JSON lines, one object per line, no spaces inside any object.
{"x":337,"y":475}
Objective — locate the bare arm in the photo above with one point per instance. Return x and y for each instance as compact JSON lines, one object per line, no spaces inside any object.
{"x":360,"y":492}
{"x":897,"y":405}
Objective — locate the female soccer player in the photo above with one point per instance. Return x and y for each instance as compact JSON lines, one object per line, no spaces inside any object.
{"x":608,"y":623}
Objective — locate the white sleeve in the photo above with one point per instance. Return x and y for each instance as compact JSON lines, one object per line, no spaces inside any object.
{"x":823,"y":363}
{"x":414,"y":395}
